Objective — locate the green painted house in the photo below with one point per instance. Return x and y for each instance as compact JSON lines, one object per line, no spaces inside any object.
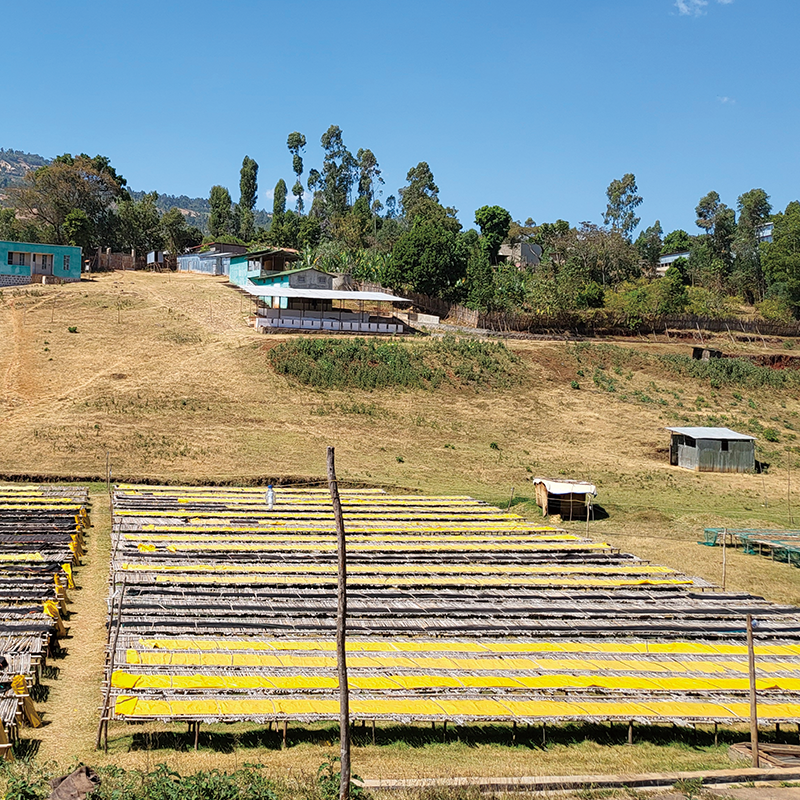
{"x":24,"y":262}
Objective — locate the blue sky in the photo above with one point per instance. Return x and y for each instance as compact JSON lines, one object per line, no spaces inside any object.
{"x":535,"y":106}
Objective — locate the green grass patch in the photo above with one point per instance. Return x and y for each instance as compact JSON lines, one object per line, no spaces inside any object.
{"x":368,"y":364}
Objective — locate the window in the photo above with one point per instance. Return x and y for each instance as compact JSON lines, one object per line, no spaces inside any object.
{"x":723,"y":445}
{"x":301,"y":278}
{"x":690,"y":442}
{"x":66,"y":262}
{"x":10,"y":257}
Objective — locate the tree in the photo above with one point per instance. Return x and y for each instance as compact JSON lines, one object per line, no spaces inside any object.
{"x":479,"y":279}
{"x":428,"y":258}
{"x":140,"y":224}
{"x":48,"y":195}
{"x":719,"y":223}
{"x":649,"y":244}
{"x":220,"y":219}
{"x":781,"y":256}
{"x":494,"y":223}
{"x":391,"y":207}
{"x":622,"y":201}
{"x":296,"y":143}
{"x":747,"y":275}
{"x":421,"y":190}
{"x":677,"y":241}
{"x":248,"y":193}
{"x":368,"y":174}
{"x":178,"y":235}
{"x":338,"y":172}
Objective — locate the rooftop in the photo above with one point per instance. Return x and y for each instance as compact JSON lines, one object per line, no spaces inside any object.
{"x":713,"y":433}
{"x":321,"y":294}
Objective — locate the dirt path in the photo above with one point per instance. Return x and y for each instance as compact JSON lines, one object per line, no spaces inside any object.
{"x":71,"y":711}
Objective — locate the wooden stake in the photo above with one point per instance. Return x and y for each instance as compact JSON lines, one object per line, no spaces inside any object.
{"x":630,"y":733}
{"x":196,"y":734}
{"x":751,"y":663}
{"x":285,"y":732}
{"x":716,"y":735}
{"x":510,"y":499}
{"x":341,"y":656}
{"x":373,"y":731}
{"x":724,"y":552}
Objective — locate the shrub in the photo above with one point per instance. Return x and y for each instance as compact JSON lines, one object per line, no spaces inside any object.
{"x":369,"y":364}
{"x":776,"y":309}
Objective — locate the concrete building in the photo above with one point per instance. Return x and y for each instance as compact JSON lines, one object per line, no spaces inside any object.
{"x":712,"y":450}
{"x":523,"y":254}
{"x":22,"y":263}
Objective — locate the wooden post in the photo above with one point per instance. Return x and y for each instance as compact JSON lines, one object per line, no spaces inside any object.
{"x":285,"y":732}
{"x":630,"y":733}
{"x":510,"y":499}
{"x":196,"y":735}
{"x":716,"y":734}
{"x":108,"y":471}
{"x":373,"y":731}
{"x":724,"y":553}
{"x":341,"y":656}
{"x":751,"y":662}
{"x":544,"y":734}
{"x":789,"y":487}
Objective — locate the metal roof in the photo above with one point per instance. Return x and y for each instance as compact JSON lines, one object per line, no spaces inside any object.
{"x":322,"y":294}
{"x":713,"y":433}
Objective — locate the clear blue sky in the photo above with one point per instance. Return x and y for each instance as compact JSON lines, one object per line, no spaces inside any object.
{"x":528,"y":104}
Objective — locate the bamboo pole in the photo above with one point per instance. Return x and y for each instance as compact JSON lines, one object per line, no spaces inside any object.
{"x":341,"y":656}
{"x":751,"y":663}
{"x":110,"y":671}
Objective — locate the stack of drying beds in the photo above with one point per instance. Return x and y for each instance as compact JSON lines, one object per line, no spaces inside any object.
{"x":221,"y":609}
{"x":41,"y":539}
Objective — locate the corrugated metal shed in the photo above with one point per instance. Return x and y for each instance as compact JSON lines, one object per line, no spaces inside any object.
{"x":712,"y":450}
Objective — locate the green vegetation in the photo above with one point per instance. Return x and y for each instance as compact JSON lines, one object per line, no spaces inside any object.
{"x":368,"y":364}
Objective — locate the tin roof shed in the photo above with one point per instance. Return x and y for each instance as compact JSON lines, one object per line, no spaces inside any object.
{"x":712,"y":450}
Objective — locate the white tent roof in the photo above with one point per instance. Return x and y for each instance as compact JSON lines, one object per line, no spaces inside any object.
{"x":321,"y":294}
{"x":567,"y":486}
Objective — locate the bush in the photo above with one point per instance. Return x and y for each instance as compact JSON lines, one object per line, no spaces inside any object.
{"x":776,"y":309}
{"x":705,"y":303}
{"x":369,"y":364}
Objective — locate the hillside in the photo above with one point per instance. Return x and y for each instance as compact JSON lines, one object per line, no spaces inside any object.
{"x":164,"y":374}
{"x":14,"y":164}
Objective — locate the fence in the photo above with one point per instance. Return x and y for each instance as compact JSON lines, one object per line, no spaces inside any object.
{"x":454,"y":313}
{"x":597,"y":322}
{"x":587,"y":323}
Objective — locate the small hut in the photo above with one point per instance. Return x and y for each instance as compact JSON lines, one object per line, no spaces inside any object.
{"x":712,"y":450}
{"x":571,"y":499}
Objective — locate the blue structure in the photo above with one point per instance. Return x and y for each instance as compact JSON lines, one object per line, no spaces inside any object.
{"x":25,"y":262}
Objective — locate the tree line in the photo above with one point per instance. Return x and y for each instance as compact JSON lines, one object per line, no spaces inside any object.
{"x":411,"y":241}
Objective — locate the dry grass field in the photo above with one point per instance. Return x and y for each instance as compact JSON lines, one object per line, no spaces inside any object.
{"x":163,"y":373}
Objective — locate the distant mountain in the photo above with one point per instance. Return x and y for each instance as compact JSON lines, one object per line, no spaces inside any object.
{"x":14,"y":164}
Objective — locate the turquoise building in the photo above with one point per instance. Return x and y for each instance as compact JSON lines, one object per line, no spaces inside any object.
{"x":23,"y":262}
